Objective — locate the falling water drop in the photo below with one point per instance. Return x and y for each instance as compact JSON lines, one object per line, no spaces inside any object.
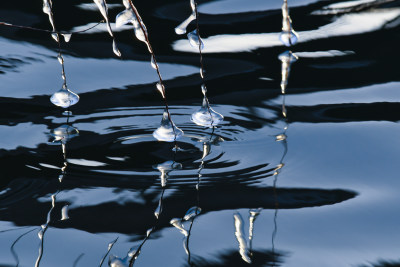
{"x":191,"y":213}
{"x":181,"y":28}
{"x":64,"y":98}
{"x":206,"y":116}
{"x":153,"y":63}
{"x":167,"y":131}
{"x":194,"y":40}
{"x":67,"y":37}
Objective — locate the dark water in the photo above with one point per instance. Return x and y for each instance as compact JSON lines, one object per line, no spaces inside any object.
{"x":328,"y":193}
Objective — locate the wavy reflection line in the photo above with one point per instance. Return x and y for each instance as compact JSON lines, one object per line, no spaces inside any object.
{"x":13,"y":252}
{"x":78,"y":259}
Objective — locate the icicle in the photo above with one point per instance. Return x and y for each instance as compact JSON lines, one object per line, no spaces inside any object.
{"x":194,"y":40}
{"x":167,"y":131}
{"x":206,"y":116}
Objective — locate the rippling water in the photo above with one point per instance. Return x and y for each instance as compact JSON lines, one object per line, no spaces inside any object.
{"x":308,"y":178}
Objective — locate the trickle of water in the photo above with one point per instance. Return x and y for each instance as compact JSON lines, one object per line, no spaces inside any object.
{"x":181,"y":28}
{"x":115,"y":49}
{"x":194,"y":40}
{"x":64,"y":213}
{"x":204,"y":89}
{"x":289,"y":38}
{"x":153,"y":63}
{"x":191,"y":213}
{"x":64,"y":98}
{"x":177,"y":223}
{"x":167,"y":131}
{"x":206,"y":116}
{"x":161,"y":89}
{"x":67,"y":37}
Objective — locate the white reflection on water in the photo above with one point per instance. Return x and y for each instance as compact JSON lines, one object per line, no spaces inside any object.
{"x":100,"y":28}
{"x":348,"y":24}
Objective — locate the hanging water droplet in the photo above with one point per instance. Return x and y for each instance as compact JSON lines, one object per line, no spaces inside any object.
{"x":206,"y":149}
{"x":191,"y":213}
{"x":153,"y":63}
{"x":204,"y":89}
{"x":63,"y":76}
{"x":124,"y":17}
{"x":64,"y":98}
{"x":289,"y":38}
{"x":148,"y":232}
{"x":60,"y":59}
{"x":55,"y":37}
{"x":64,"y":213}
{"x":201,"y":73}
{"x":67,"y":37}
{"x":167,"y":131}
{"x":158,"y":210}
{"x":161,"y":89}
{"x":181,"y":28}
{"x":280,"y":137}
{"x":194,"y":40}
{"x":206,"y":116}
{"x":115,"y":49}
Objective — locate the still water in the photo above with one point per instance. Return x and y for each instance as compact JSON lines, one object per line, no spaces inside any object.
{"x":305,"y":178}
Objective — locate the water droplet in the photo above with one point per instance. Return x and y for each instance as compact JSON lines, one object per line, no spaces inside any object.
{"x":194,"y":40}
{"x":55,"y":37}
{"x":124,"y":17}
{"x":64,"y":213}
{"x":64,"y":98}
{"x":181,"y":28}
{"x":114,"y":261}
{"x":206,"y":116}
{"x":191,"y":213}
{"x":289,"y":38}
{"x":67,"y":113}
{"x":153,"y":63}
{"x":204,"y":89}
{"x":161,"y":89}
{"x":115,"y":49}
{"x":149,"y":232}
{"x":60,"y":59}
{"x":206,"y":149}
{"x":67,"y":37}
{"x":201,"y":73}
{"x":167,"y":131}
{"x":158,"y":210}
{"x":280,"y":137}
{"x":128,"y":16}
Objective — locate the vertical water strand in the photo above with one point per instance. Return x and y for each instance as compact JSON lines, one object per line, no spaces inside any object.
{"x":167,"y":131}
{"x":288,"y":36}
{"x":103,"y":8}
{"x":64,"y":97}
{"x":205,"y":116}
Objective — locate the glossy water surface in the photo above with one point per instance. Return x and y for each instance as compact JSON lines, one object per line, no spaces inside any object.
{"x":305,"y":178}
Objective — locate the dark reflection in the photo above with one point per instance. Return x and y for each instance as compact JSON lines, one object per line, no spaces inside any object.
{"x":61,"y":136}
{"x":382,"y":263}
